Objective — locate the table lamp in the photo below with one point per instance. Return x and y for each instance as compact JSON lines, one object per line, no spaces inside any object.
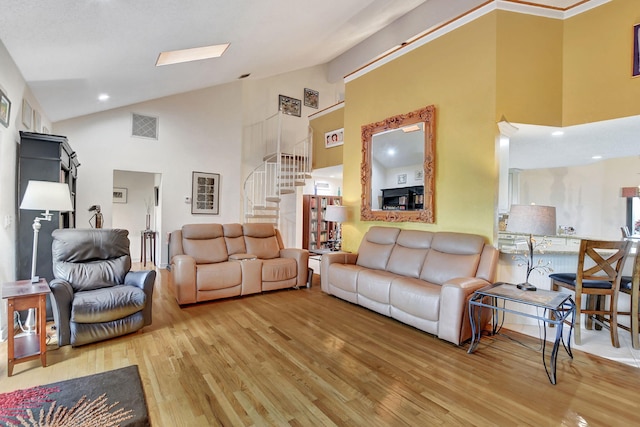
{"x":532,"y":220}
{"x":44,"y":196}
{"x":337,"y":214}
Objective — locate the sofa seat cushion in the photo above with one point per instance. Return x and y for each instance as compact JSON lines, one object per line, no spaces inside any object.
{"x":218,"y":276}
{"x":279,"y":269}
{"x":375,"y":285}
{"x":416,"y":297}
{"x":345,"y":276}
{"x":107,"y":304}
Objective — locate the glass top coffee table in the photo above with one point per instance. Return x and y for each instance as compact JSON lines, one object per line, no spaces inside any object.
{"x":556,"y":308}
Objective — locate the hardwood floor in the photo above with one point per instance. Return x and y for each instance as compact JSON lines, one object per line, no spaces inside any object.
{"x":302,"y":358}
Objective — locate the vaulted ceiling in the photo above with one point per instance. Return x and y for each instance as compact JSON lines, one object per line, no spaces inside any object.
{"x":71,"y":51}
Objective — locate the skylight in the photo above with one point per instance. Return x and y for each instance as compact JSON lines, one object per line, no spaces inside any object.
{"x":193,"y":54}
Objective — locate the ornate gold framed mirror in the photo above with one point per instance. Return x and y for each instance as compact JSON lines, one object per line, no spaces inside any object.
{"x":398,"y":168}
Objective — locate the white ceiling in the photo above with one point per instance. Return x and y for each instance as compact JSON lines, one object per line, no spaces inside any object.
{"x":70,"y":51}
{"x":534,"y":147}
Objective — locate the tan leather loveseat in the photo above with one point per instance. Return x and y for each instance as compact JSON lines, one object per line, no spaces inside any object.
{"x":421,"y":278}
{"x":212,"y":261}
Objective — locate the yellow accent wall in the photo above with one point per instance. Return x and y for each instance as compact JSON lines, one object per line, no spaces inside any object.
{"x":457,"y":74}
{"x":529,"y":69}
{"x":325,"y":157}
{"x":598,"y":51}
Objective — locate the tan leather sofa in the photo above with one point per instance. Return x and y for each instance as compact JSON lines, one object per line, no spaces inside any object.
{"x":212,"y":261}
{"x":421,"y":278}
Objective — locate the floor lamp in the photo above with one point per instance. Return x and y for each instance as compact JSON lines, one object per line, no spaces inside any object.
{"x":532,"y":220}
{"x":337,"y":214}
{"x":44,"y":196}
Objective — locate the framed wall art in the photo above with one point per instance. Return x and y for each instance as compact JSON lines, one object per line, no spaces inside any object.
{"x":311,"y":98}
{"x":290,"y":106}
{"x":119,"y":195}
{"x":5,"y":109}
{"x":334,"y":138}
{"x":205,"y":193}
{"x":27,"y":114}
{"x":402,"y":178}
{"x":37,"y":121}
{"x":636,"y":51}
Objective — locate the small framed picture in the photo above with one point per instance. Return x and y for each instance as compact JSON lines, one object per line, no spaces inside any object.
{"x":636,"y":51}
{"x":402,"y":178}
{"x":311,"y":98}
{"x":119,"y":195}
{"x":5,"y":109}
{"x":27,"y":114}
{"x":205,"y":189}
{"x":334,"y":138}
{"x":37,"y":121}
{"x":290,"y":106}
{"x":419,"y":175}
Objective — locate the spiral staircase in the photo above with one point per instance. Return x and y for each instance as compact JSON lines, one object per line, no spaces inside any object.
{"x":285,"y":166}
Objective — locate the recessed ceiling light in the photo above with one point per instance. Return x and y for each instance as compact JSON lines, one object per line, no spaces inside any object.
{"x":596,"y":157}
{"x":557,"y":133}
{"x":103,"y":97}
{"x":193,"y":54}
{"x":391,"y":152}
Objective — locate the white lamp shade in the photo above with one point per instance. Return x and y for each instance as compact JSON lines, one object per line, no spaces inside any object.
{"x":335,"y":213}
{"x":532,"y":219}
{"x":47,"y":196}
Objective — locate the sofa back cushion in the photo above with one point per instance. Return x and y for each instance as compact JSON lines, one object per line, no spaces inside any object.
{"x":409,"y":253}
{"x":234,"y":239}
{"x":204,"y":242}
{"x":261,"y":240}
{"x":452,"y":255}
{"x":91,"y":258}
{"x":376,"y":247}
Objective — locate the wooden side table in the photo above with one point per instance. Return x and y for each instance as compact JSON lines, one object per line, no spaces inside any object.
{"x":23,"y":295}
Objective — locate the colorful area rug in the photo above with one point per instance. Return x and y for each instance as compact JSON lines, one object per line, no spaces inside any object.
{"x":112,"y":398}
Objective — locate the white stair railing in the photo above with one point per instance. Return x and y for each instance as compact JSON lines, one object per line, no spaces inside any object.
{"x":280,"y":173}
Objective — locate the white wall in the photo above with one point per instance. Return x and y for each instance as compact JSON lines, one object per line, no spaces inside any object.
{"x":586,"y":197}
{"x":198,"y":131}
{"x":132,"y":214}
{"x":14,"y":87}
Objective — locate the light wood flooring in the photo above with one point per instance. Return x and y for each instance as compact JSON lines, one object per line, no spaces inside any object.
{"x":303,"y":358}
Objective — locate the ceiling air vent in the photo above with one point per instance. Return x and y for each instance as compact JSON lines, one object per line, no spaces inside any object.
{"x":144,"y":126}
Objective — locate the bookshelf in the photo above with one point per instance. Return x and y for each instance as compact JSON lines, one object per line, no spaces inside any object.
{"x":315,"y":231}
{"x":403,"y":198}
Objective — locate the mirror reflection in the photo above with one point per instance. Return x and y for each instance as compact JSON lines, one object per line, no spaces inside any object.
{"x":397,"y":171}
{"x":397,"y":174}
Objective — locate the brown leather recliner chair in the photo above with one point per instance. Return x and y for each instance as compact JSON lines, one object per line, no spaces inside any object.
{"x":95,"y":296}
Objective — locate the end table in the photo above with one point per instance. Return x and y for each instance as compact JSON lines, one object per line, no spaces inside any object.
{"x":23,"y":295}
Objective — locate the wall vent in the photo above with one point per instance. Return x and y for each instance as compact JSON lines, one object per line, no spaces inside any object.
{"x":144,"y":126}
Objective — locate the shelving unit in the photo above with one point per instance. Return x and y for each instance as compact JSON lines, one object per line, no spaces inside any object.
{"x":316,"y":232}
{"x":42,"y":157}
{"x":404,"y":198}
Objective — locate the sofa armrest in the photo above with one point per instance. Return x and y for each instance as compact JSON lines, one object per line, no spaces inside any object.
{"x":330,"y":258}
{"x":302,"y":260}
{"x":62,"y":295}
{"x":453,"y":319}
{"x":183,"y":271}
{"x":145,"y":281}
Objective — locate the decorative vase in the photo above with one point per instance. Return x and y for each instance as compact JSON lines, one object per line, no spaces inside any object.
{"x":148,"y":222}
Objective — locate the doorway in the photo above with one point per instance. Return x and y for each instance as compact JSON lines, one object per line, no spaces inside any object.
{"x":138,"y":208}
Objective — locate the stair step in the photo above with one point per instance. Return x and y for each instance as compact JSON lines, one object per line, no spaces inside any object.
{"x":273,"y":199}
{"x":263,"y":216}
{"x":265,"y":208}
{"x":286,"y":191}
